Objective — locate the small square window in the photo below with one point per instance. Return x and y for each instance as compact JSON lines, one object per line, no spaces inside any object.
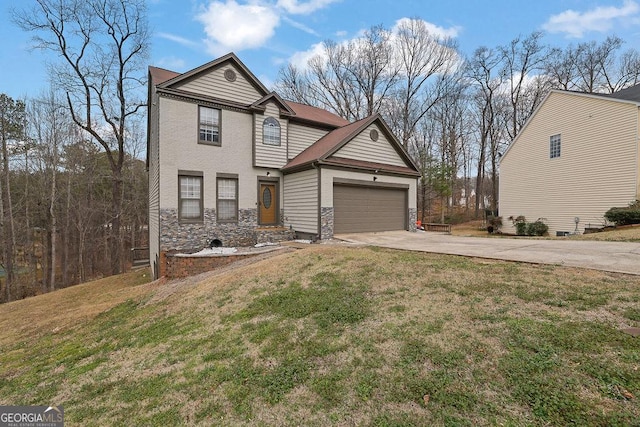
{"x":554,"y":146}
{"x":209,"y":125}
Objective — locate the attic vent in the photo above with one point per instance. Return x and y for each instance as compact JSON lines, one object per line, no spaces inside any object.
{"x":230,"y":75}
{"x":373,"y":134}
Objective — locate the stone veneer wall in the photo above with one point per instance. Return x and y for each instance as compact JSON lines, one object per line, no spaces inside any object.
{"x":413,"y":217}
{"x":175,"y":235}
{"x":326,"y":223}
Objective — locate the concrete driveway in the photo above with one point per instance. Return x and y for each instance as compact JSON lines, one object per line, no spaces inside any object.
{"x":620,"y":257}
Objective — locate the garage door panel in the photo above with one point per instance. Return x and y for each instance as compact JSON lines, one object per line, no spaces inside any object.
{"x":362,"y":209}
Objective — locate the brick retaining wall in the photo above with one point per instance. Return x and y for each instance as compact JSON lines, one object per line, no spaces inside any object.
{"x":178,"y":265}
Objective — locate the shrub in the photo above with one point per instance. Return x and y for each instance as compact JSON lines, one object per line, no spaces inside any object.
{"x":537,"y":228}
{"x":626,"y":215}
{"x":494,"y":224}
{"x":520,"y":223}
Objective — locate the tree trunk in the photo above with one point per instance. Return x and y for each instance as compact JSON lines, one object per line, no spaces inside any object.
{"x":54,"y":226}
{"x":7,"y":222}
{"x":116,"y":232}
{"x":67,"y":237}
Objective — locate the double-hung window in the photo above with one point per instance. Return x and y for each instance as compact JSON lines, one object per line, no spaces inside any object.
{"x":190,"y":195}
{"x":227,"y":199}
{"x":554,"y":146}
{"x":209,"y":125}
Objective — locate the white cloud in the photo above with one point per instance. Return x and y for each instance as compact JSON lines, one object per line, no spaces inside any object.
{"x":300,"y":26}
{"x":301,"y":59}
{"x":180,"y":40}
{"x":341,"y":33}
{"x":451,"y":32}
{"x":232,"y":27}
{"x":296,"y":7}
{"x":600,"y":19}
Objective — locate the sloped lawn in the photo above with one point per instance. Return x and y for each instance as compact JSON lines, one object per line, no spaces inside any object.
{"x":334,"y":335}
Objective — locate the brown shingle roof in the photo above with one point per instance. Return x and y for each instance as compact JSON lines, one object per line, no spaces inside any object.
{"x":326,"y":145}
{"x":316,"y":115}
{"x":160,"y":75}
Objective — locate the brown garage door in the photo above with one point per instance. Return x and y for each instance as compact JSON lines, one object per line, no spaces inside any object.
{"x":362,"y":209}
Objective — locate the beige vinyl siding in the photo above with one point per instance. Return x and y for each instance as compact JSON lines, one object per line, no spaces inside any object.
{"x":329,"y":175}
{"x":362,"y":147}
{"x":301,"y":201}
{"x":213,"y":83}
{"x":270,"y":156}
{"x":154,"y":186}
{"x":638,"y":157}
{"x":597,"y":167}
{"x":301,"y":137}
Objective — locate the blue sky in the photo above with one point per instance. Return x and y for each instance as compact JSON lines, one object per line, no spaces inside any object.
{"x":266,"y":34}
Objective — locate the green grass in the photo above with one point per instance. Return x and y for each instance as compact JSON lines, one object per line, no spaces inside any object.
{"x":359,"y":336}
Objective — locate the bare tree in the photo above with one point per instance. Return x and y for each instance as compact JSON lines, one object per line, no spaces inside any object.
{"x":484,"y":70}
{"x":592,"y":61}
{"x":521,"y":59}
{"x":103,"y":45}
{"x":421,"y":55}
{"x":11,"y":130}
{"x":560,"y":67}
{"x":52,"y":129}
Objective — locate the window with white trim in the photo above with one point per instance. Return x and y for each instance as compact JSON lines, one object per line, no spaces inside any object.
{"x":209,"y":125}
{"x":190,"y":198}
{"x":554,"y":146}
{"x":227,"y":200}
{"x":271,"y":131}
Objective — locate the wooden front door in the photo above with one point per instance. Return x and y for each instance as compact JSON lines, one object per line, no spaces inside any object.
{"x":268,"y":201}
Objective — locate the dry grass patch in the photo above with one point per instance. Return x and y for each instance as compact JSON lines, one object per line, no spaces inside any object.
{"x":622,"y":234}
{"x":58,"y":311}
{"x":348,"y":336}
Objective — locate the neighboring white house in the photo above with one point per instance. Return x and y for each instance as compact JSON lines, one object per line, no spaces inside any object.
{"x":576,"y":157}
{"x":231,"y":162}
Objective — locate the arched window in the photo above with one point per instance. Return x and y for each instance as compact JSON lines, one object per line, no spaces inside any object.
{"x":271,"y":131}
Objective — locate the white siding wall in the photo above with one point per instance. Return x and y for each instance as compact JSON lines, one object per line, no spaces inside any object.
{"x":301,"y":137}
{"x":362,"y":147}
{"x":180,"y":151}
{"x":328,"y":176}
{"x":154,"y":185}
{"x":270,"y":156}
{"x":213,"y":83}
{"x":301,"y":201}
{"x":638,"y":158}
{"x":597,"y":168}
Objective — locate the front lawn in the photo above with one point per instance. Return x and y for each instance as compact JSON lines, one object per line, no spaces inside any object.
{"x":338,"y":335}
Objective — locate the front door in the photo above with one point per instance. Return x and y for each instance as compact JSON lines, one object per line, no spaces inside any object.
{"x":268,"y":201}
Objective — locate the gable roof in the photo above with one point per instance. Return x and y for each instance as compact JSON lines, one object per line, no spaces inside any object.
{"x":321,"y":151}
{"x":284,"y":107}
{"x":629,"y":94}
{"x":230,"y":57}
{"x":623,"y":96}
{"x":160,"y":75}
{"x":165,"y":79}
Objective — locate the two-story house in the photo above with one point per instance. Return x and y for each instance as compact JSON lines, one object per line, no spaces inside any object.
{"x":232,"y":163}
